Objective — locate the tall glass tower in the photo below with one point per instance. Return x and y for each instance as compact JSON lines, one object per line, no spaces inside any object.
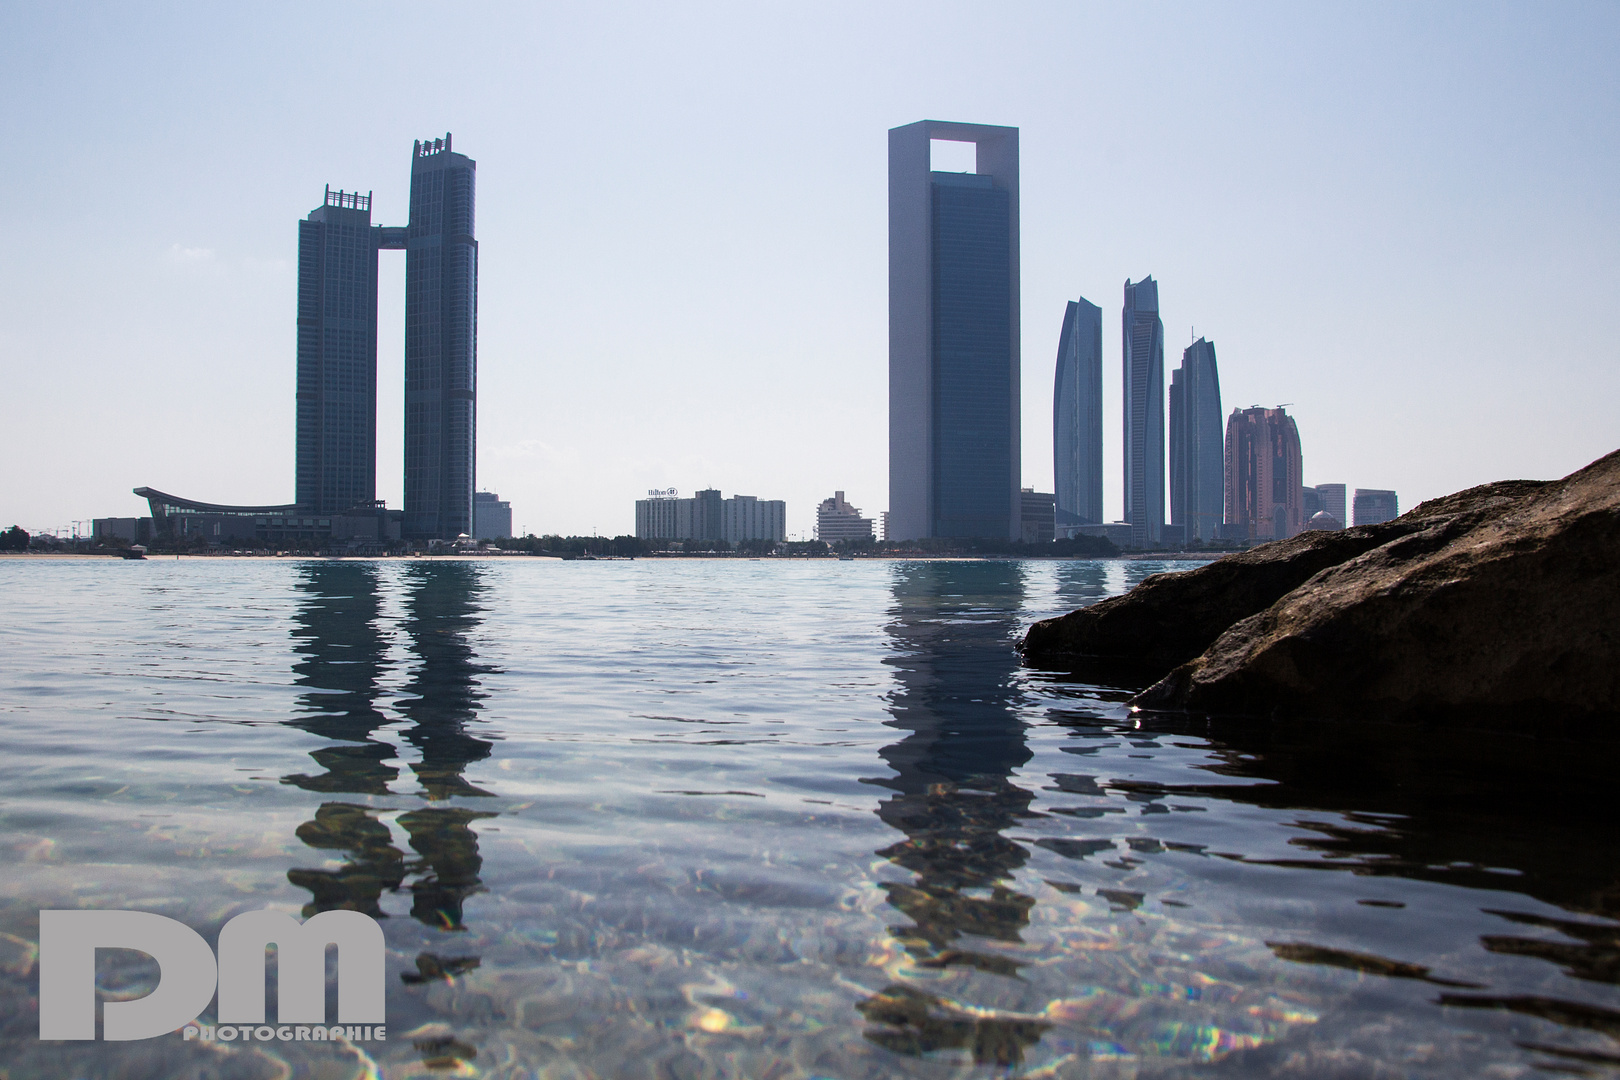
{"x":335,"y":465}
{"x":953,"y":336}
{"x":1077,"y":437}
{"x":441,"y":344}
{"x":1197,"y":462}
{"x":1143,"y":336}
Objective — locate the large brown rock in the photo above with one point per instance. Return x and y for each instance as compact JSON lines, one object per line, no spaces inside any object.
{"x":1171,"y":618}
{"x":1497,"y":605}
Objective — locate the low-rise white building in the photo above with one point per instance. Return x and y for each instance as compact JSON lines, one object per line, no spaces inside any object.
{"x":838,"y":520}
{"x":664,"y":515}
{"x":744,"y":517}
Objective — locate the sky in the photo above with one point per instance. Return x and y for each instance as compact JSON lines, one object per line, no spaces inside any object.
{"x":1401,"y":220}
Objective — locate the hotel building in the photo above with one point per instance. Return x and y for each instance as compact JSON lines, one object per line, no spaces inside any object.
{"x":838,"y":520}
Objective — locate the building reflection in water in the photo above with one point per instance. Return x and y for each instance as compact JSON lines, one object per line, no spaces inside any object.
{"x":953,"y":630}
{"x":1082,"y":582}
{"x":342,"y":658}
{"x":343,"y":653}
{"x":441,"y":612}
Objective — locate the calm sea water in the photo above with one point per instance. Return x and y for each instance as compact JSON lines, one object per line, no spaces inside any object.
{"x":775,"y":820}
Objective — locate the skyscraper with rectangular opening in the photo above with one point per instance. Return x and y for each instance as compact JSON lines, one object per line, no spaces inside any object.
{"x":1197,"y":461}
{"x":953,"y":336}
{"x":441,"y":344}
{"x":335,"y":444}
{"x":1077,"y":424}
{"x":1143,"y":344}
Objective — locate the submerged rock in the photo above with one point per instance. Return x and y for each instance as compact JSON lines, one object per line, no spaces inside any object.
{"x":1496,"y":604}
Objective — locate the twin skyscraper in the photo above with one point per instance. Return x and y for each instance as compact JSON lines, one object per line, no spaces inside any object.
{"x":336,"y":448}
{"x":954,"y":359}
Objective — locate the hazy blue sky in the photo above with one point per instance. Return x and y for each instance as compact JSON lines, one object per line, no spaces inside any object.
{"x":1403,"y":219}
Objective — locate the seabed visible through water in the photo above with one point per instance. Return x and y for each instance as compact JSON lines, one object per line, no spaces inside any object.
{"x":681,"y":819}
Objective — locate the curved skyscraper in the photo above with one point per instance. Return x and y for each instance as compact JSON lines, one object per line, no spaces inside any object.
{"x":441,"y":344}
{"x":953,"y":336}
{"x":1197,"y":464}
{"x":1143,"y":343}
{"x":1077,"y":438}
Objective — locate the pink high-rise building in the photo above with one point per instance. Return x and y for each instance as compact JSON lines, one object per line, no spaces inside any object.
{"x":1264,"y":490}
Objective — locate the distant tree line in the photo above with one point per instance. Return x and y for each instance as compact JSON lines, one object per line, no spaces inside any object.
{"x":1079,"y":547}
{"x":630,"y":546}
{"x":574,"y":546}
{"x":195,"y":544}
{"x":17,"y":539}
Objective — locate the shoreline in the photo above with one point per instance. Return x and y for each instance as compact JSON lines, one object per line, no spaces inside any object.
{"x":1168,"y":556}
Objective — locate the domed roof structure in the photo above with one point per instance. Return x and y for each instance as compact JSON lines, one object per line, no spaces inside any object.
{"x":1324,"y":521}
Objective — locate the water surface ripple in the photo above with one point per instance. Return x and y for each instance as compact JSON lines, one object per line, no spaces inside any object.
{"x":775,"y":820}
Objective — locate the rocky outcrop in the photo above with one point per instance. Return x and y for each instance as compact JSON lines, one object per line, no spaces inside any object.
{"x":1500,"y":603}
{"x":1171,"y":618}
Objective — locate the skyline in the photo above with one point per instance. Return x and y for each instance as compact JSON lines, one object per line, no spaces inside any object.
{"x":1384,"y":269}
